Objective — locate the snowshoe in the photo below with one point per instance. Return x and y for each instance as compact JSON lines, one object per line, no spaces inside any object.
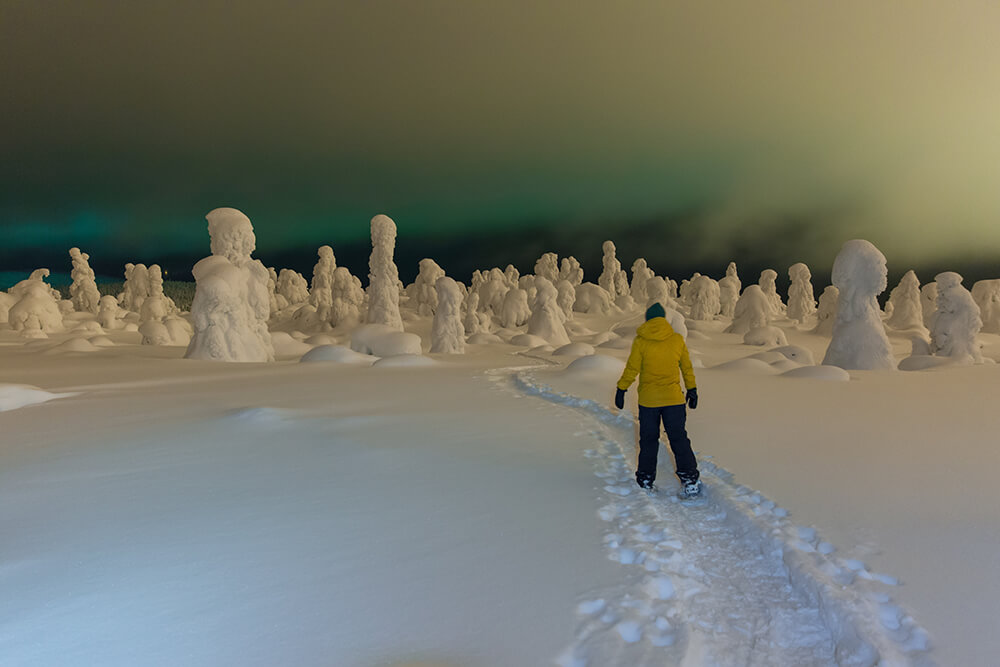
{"x":690,"y":490}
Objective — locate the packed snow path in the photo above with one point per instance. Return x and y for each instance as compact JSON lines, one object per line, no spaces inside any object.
{"x":723,"y":580}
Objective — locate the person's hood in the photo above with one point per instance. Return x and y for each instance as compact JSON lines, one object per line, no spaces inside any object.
{"x":655,"y":329}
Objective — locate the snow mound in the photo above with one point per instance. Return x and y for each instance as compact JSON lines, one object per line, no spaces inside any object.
{"x":785,"y":365}
{"x":286,"y":346}
{"x":697,"y":335}
{"x":405,"y":361}
{"x":577,"y":329}
{"x":541,"y":349}
{"x":765,"y":336}
{"x":384,"y":341}
{"x":528,"y":340}
{"x":797,"y":354}
{"x":617,"y":344}
{"x":595,"y":364}
{"x":603,"y":337}
{"x":574,"y":350}
{"x":14,"y":396}
{"x":338,"y":354}
{"x":769,"y":357}
{"x":829,"y":373}
{"x":746,"y":365}
{"x":77,"y":344}
{"x":322,"y":339}
{"x":484,"y":339}
{"x":921,"y":362}
{"x":101,"y":341}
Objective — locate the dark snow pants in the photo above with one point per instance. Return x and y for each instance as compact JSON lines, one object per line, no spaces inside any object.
{"x":674,"y":418}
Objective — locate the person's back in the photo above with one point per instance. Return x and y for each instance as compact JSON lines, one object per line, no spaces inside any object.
{"x":659,"y":356}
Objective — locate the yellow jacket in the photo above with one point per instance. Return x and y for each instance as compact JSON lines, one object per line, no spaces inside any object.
{"x":657,"y":354}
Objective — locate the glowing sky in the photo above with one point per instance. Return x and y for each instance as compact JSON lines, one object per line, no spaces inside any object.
{"x":716,"y":128}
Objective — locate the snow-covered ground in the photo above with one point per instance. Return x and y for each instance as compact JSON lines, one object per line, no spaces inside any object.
{"x":480,"y":510}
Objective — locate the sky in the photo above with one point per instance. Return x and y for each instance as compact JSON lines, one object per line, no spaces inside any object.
{"x":690,"y":133}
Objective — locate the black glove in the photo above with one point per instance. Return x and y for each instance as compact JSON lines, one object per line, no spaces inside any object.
{"x":620,"y":399}
{"x":692,"y":398}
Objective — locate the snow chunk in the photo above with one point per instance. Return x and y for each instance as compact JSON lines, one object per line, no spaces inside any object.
{"x":384,"y":341}
{"x":596,"y":364}
{"x":528,"y":340}
{"x":338,"y":354}
{"x":405,"y":361}
{"x":286,"y":346}
{"x":484,"y":339}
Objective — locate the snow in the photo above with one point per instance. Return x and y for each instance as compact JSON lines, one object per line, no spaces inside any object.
{"x":338,"y":354}
{"x":375,"y":506}
{"x":383,"y":277}
{"x":859,"y":338}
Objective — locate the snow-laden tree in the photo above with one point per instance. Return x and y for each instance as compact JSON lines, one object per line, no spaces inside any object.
{"x":641,"y":274}
{"x":231,"y":303}
{"x":547,"y":319}
{"x":424,"y":292}
{"x":36,"y":312}
{"x":769,"y":286}
{"x":610,"y":280}
{"x":928,"y":303}
{"x":592,"y":299}
{"x":566,"y":298}
{"x":83,"y":290}
{"x":293,"y":286}
{"x":492,"y":291}
{"x":547,"y":267}
{"x":383,"y":276}
{"x":136,"y":287}
{"x":801,"y":302}
{"x":658,"y":291}
{"x":158,"y":321}
{"x":321,"y":287}
{"x":859,"y":341}
{"x":826,"y":312}
{"x":957,"y":322}
{"x":512,"y":275}
{"x":515,"y":310}
{"x":904,"y":299}
{"x":986,"y":293}
{"x":476,"y":321}
{"x":729,"y":291}
{"x":705,"y":298}
{"x":348,"y":298}
{"x":569,"y":269}
{"x":447,"y":330}
{"x":752,"y":311}
{"x":109,"y":315}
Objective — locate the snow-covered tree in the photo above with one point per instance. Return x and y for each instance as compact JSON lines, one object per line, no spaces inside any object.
{"x":609,"y":279}
{"x":770,"y":288}
{"x":569,"y":269}
{"x":424,"y":292}
{"x":36,"y":312}
{"x":928,"y":303}
{"x":729,"y":291}
{"x":592,"y":299}
{"x":566,"y":298}
{"x":136,"y":287}
{"x":383,"y":276}
{"x":476,"y":321}
{"x":447,"y":331}
{"x":321,"y":287}
{"x":801,"y":302}
{"x":986,"y":293}
{"x":957,"y":322}
{"x":547,"y":318}
{"x":83,"y":290}
{"x":109,"y":314}
{"x":515,"y":310}
{"x":641,"y":274}
{"x":547,"y":267}
{"x":231,"y":304}
{"x":348,"y":298}
{"x":752,"y":311}
{"x":859,"y":341}
{"x":826,"y":312}
{"x":705,"y":298}
{"x":904,"y":299}
{"x":293,"y":286}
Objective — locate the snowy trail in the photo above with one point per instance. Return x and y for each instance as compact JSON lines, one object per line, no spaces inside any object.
{"x":725,"y":580}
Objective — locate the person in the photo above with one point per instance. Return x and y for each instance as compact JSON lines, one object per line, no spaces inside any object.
{"x":658,"y":353}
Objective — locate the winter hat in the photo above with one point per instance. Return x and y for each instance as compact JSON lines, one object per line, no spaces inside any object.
{"x":656,"y":310}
